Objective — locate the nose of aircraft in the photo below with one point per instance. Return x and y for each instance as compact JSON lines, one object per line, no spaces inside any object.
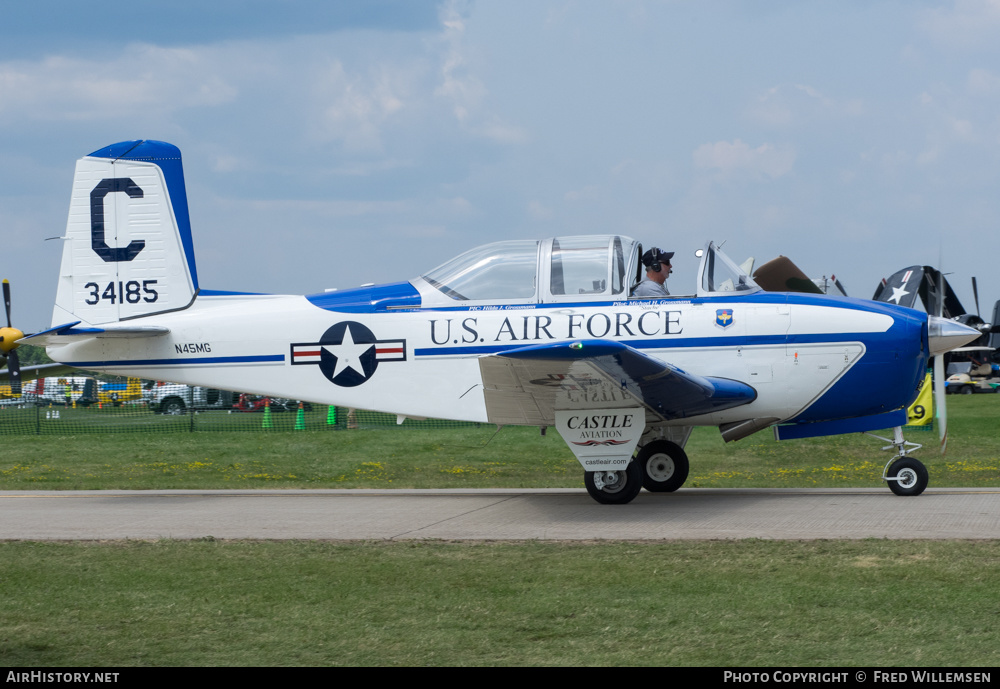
{"x":944,"y":335}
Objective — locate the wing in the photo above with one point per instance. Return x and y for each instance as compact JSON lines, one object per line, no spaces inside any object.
{"x":525,"y":386}
{"x":39,"y":371}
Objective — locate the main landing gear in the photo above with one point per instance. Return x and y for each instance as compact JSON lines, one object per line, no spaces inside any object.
{"x":614,"y":487}
{"x":904,"y":474}
{"x":664,"y":466}
{"x":660,"y":466}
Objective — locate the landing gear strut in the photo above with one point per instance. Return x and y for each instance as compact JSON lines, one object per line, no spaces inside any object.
{"x":904,"y":474}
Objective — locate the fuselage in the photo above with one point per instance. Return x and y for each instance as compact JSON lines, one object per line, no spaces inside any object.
{"x":808,"y":357}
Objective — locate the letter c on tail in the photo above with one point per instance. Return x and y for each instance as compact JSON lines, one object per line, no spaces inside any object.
{"x":97,"y":194}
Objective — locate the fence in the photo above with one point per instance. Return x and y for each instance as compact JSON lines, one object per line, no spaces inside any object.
{"x":52,"y":417}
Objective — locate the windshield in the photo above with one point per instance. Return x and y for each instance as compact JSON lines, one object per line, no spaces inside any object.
{"x":720,"y":274}
{"x":502,"y":270}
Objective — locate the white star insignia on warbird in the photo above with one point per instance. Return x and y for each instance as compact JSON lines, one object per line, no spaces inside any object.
{"x":348,"y":354}
{"x":897,"y":294}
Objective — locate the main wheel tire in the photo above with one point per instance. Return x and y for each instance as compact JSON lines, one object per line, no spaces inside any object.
{"x":664,"y":466}
{"x":910,"y":476}
{"x":619,"y":487}
{"x":173,"y":406}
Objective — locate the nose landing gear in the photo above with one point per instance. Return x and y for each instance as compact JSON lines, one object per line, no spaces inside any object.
{"x":904,"y":474}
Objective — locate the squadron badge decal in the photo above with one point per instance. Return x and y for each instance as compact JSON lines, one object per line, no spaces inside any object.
{"x":348,"y":353}
{"x":723,"y":318}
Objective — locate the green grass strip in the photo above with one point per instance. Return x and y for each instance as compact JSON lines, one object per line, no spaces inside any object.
{"x":730,"y":603}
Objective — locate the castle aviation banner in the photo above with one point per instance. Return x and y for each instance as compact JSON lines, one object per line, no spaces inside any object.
{"x":602,"y":440}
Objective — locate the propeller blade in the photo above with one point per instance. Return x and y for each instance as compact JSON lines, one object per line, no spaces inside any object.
{"x":939,"y":393}
{"x":975,"y":296}
{"x":6,"y":300}
{"x":939,"y":402}
{"x":14,"y":367}
{"x":940,"y":287}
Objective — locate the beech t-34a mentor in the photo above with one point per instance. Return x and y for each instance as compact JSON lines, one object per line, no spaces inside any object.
{"x":525,"y":332}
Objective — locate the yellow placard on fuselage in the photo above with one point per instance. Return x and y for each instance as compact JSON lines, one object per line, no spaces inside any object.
{"x":921,"y":412}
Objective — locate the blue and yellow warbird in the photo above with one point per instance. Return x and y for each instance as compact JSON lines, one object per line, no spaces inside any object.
{"x":528,"y":332}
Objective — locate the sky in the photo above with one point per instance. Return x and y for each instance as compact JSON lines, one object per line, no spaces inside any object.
{"x":334,"y":144}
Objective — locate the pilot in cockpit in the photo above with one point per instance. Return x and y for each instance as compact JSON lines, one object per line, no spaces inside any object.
{"x":658,"y":269}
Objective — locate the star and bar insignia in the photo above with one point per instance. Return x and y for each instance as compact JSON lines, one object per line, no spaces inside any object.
{"x":348,"y":353}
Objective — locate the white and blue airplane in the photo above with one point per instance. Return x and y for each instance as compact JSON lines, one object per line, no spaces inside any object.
{"x":523,"y":332}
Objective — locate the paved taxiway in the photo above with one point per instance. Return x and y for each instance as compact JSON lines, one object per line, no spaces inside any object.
{"x":556,"y":514}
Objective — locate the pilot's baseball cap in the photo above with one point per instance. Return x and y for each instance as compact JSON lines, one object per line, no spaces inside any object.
{"x":654,"y":255}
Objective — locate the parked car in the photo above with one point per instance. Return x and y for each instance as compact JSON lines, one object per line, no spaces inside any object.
{"x":174,"y":398}
{"x":81,"y":391}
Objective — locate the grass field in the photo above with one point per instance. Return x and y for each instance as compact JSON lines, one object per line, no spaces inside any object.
{"x":472,"y":457}
{"x":727,"y":603}
{"x":738,"y":603}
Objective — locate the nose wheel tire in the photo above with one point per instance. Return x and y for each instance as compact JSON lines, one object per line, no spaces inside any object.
{"x":614,"y":487}
{"x":664,"y":466}
{"x":907,"y":476}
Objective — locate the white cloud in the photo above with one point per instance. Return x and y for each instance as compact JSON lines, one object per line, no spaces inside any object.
{"x":768,"y":217}
{"x":787,"y":104}
{"x":738,"y":159}
{"x":982,"y":82}
{"x":464,"y":90}
{"x":459,"y":86}
{"x":962,"y":129}
{"x":140,"y":79}
{"x":954,"y":116}
{"x":354,"y":108}
{"x":587,"y":193}
{"x":417,"y":231}
{"x":353,"y":90}
{"x":965,"y":25}
{"x":539,"y":211}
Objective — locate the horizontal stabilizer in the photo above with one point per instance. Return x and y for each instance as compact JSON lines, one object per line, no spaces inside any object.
{"x":526,"y":385}
{"x":64,"y":334}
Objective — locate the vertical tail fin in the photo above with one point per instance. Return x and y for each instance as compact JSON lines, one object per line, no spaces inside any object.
{"x":128,"y":249}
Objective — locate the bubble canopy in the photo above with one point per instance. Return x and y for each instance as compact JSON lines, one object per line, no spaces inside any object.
{"x":561,"y":269}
